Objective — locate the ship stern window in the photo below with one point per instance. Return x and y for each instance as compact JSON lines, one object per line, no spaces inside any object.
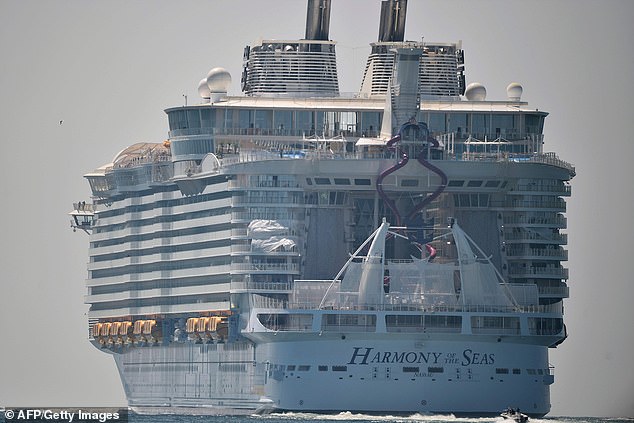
{"x":362,"y":182}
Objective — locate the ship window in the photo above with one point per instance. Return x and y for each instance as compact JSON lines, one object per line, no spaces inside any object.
{"x":283,"y":121}
{"x":545,"y":326}
{"x":264,"y":119}
{"x":322,"y":181}
{"x":177,"y":120}
{"x":473,"y":184}
{"x":409,"y":183}
{"x":290,"y":368}
{"x":323,"y":368}
{"x":370,"y":123}
{"x":349,"y":322}
{"x":530,"y":371}
{"x":435,"y":369}
{"x":492,"y":184}
{"x":411,"y":369}
{"x":437,"y":122}
{"x":246,"y":119}
{"x":193,"y":119}
{"x":455,"y":183}
{"x":309,"y":181}
{"x":495,"y":324}
{"x":362,"y":182}
{"x":419,"y":323}
{"x":305,"y":121}
{"x":457,"y":122}
{"x":303,"y":368}
{"x":504,"y":184}
{"x":517,"y":371}
{"x":501,"y":371}
{"x":207,"y":118}
{"x":286,"y":322}
{"x":534,"y":124}
{"x":342,"y":181}
{"x":339,"y":368}
{"x":503,"y":124}
{"x":480,"y":125}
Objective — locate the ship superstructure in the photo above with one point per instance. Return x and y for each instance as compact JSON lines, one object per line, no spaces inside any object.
{"x":237,"y":266}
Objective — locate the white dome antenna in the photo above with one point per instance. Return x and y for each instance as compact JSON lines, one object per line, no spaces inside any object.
{"x":203,"y":89}
{"x":476,"y":92}
{"x":514,"y":91}
{"x":218,"y":81}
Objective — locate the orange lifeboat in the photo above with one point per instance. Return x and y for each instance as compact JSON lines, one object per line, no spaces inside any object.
{"x":192,"y":325}
{"x":125,"y":332}
{"x":137,"y":332}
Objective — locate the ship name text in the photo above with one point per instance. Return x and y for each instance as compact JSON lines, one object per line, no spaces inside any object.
{"x":368,"y":355}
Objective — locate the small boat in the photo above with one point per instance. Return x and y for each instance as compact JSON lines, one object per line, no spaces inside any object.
{"x":514,"y":414}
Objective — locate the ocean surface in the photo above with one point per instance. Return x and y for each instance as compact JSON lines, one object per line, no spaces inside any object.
{"x":355,"y":418}
{"x":341,"y":417}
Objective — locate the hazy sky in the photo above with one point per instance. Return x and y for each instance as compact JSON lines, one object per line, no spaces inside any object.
{"x":108,"y":69}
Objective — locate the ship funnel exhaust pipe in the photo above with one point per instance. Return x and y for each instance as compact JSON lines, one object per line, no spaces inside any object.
{"x":318,"y":20}
{"x":392,"y":23}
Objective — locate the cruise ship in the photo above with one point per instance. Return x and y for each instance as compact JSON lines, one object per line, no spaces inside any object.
{"x":295,"y":248}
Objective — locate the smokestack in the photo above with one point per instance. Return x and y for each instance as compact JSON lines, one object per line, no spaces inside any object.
{"x":318,"y":20}
{"x":392,"y":23}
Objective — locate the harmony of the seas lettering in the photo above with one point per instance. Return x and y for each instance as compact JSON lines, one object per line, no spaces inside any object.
{"x":368,"y":355}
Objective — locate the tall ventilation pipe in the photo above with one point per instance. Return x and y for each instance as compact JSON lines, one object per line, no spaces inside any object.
{"x":318,"y":20}
{"x":392,"y":23}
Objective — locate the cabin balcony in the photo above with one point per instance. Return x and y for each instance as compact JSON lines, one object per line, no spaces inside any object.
{"x":535,"y":238}
{"x":265,"y":268}
{"x":525,"y":253}
{"x":555,"y":221}
{"x":539,"y":272}
{"x":553,"y":291}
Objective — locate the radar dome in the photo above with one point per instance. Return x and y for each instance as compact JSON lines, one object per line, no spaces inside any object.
{"x":218,"y":80}
{"x":514,"y":91}
{"x":475,"y":92}
{"x":203,"y":89}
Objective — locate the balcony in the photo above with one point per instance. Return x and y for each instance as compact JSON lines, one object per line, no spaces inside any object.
{"x":535,"y":238}
{"x":526,"y":253}
{"x":539,"y":272}
{"x":265,"y":268}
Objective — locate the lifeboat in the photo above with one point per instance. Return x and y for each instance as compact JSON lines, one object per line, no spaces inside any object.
{"x":125,"y":332}
{"x":151,"y":331}
{"x":96,"y":329}
{"x":114,"y":337}
{"x":192,"y":326}
{"x":203,"y":328}
{"x":137,"y":332}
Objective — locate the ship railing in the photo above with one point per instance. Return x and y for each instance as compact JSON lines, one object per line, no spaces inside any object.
{"x":548,"y":158}
{"x":83,"y":206}
{"x":556,"y":220}
{"x":262,"y":286}
{"x":555,"y":203}
{"x":529,"y":309}
{"x":496,"y":331}
{"x":248,"y":156}
{"x":535,"y":236}
{"x":554,"y":291}
{"x":255,"y":267}
{"x":555,"y":272}
{"x":556,"y":189}
{"x":557,"y":253}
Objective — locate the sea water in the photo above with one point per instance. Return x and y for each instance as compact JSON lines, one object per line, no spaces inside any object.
{"x":355,"y":418}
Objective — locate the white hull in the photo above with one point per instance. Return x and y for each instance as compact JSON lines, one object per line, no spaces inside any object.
{"x":332,"y":375}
